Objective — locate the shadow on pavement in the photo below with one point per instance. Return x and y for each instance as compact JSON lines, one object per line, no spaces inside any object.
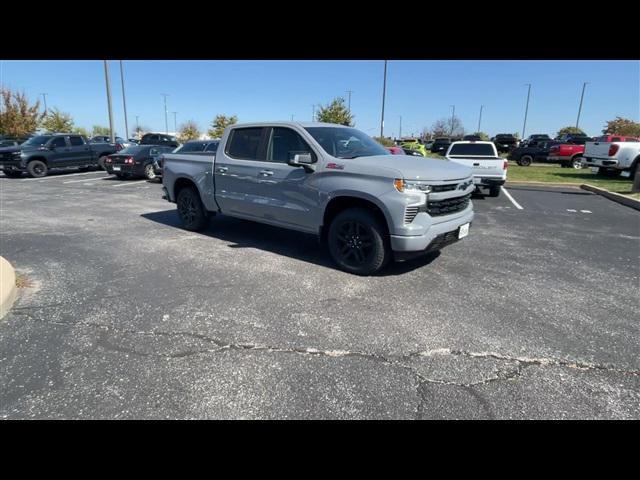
{"x":300,"y":246}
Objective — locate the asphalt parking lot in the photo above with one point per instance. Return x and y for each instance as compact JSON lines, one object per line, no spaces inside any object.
{"x":125,"y":315}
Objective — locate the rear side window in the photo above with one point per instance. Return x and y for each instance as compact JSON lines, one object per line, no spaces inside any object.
{"x":192,"y":147}
{"x":473,"y":149}
{"x":285,"y":144}
{"x":212,"y":147}
{"x":244,"y":143}
{"x":58,"y":142}
{"x":76,"y":141}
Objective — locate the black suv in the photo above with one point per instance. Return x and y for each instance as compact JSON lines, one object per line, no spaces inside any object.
{"x":159,"y":139}
{"x":440,"y":144}
{"x":505,"y":142}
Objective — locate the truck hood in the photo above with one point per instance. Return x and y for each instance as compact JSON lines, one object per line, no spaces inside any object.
{"x":416,"y":168}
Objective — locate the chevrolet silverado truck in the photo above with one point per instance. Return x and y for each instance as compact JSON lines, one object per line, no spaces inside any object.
{"x":367,"y":205}
{"x":489,"y":169}
{"x":613,"y":155}
{"x":42,"y":153}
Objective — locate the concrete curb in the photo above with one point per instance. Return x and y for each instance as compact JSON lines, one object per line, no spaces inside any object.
{"x":616,"y":197}
{"x":8,"y":288}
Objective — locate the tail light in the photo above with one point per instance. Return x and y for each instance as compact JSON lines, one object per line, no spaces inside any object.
{"x":128,"y":160}
{"x":613,"y":149}
{"x":505,"y":165}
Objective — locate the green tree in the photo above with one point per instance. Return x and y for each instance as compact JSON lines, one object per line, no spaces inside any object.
{"x":219,"y":124}
{"x":335,"y":112}
{"x":570,"y":131}
{"x":384,"y":141}
{"x":622,"y":126}
{"x":57,"y":121}
{"x":18,"y":118}
{"x":483,"y":136}
{"x":188,"y":131}
{"x":98,"y":130}
{"x":81,"y":131}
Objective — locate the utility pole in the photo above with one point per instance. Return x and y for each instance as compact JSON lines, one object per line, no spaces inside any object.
{"x":124,"y":103}
{"x":400,"y":130}
{"x":480,"y":118}
{"x":166,"y":122}
{"x":44,"y":97}
{"x":292,"y":117}
{"x":175,"y":122}
{"x":106,"y":76}
{"x":138,"y":127}
{"x":453,"y":114}
{"x":384,"y":92}
{"x":313,"y":115}
{"x":584,"y":85}
{"x":526,"y":110}
{"x":349,"y":104}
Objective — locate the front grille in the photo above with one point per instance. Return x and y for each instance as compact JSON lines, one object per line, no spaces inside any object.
{"x":444,"y":188}
{"x":410,"y":213}
{"x":450,"y":205}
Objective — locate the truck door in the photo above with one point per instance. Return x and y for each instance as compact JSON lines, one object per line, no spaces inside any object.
{"x":79,"y":151}
{"x":60,"y":155}
{"x":283,"y":192}
{"x":236,"y":171}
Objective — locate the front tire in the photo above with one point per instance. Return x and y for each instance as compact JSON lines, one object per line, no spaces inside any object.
{"x":37,"y":169}
{"x":190,"y":209}
{"x":358,"y":242}
{"x":149,"y":172}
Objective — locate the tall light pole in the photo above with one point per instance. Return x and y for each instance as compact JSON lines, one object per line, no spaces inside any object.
{"x":166,"y":122}
{"x":400,"y":130}
{"x":292,"y":117}
{"x":584,"y":85}
{"x":349,"y":104}
{"x":138,"y":127}
{"x":124,"y":103}
{"x":44,"y":97}
{"x":526,"y":110}
{"x":480,"y":117}
{"x":384,"y":92}
{"x":313,"y":115}
{"x":175,"y":121}
{"x":453,"y":114}
{"x":106,"y":76}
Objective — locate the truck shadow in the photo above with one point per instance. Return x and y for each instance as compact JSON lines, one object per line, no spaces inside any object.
{"x":300,"y":246}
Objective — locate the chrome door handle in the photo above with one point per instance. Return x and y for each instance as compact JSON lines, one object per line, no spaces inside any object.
{"x":222,"y":169}
{"x":266,"y":173}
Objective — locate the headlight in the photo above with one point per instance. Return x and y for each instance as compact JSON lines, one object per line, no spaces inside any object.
{"x":402,"y":186}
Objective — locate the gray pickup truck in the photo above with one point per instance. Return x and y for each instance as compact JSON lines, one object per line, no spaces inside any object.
{"x":333,"y":181}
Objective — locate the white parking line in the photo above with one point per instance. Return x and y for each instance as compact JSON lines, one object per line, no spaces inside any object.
{"x":586,"y":211}
{"x":130,"y":182}
{"x":516,"y":204}
{"x":58,"y":177}
{"x":572,"y":210}
{"x":87,"y":180}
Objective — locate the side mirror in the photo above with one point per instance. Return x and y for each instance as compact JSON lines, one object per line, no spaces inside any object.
{"x":304,"y":160}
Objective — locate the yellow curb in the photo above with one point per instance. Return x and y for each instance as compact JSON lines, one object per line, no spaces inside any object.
{"x":8,"y":288}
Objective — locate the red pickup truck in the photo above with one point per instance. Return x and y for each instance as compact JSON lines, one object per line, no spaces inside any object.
{"x":570,"y":152}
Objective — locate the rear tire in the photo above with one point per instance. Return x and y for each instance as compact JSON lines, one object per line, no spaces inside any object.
{"x":190,"y":209}
{"x":525,"y":160}
{"x":358,"y":242}
{"x":37,"y":169}
{"x":149,"y":172}
{"x":576,"y":162}
{"x":494,"y":191}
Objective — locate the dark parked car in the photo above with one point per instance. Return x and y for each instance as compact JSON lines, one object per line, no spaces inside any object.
{"x":440,"y":144}
{"x":194,"y":147}
{"x":533,"y":140}
{"x":159,"y":139}
{"x":472,"y":138}
{"x":526,"y":154}
{"x":42,"y":153}
{"x":505,"y":142}
{"x":135,"y":161}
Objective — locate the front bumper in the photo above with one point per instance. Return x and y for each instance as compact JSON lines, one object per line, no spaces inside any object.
{"x":420,"y":243}
{"x":13,"y":164}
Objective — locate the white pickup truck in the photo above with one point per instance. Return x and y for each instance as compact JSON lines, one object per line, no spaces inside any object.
{"x":613,"y":155}
{"x":489,"y":169}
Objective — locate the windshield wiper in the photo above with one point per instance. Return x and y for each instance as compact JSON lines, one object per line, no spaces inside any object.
{"x":349,"y":158}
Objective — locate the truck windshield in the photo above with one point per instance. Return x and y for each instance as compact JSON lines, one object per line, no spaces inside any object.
{"x":473,"y":149}
{"x":346,"y":142}
{"x":38,"y":140}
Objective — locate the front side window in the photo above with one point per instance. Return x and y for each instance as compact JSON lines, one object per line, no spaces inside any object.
{"x":244,"y":143}
{"x":58,"y":142}
{"x":285,"y":144}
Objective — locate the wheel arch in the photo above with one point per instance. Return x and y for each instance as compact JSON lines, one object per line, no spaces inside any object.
{"x":342,"y":202}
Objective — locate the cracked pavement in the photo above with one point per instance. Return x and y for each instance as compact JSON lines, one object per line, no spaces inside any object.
{"x":129,"y":316}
